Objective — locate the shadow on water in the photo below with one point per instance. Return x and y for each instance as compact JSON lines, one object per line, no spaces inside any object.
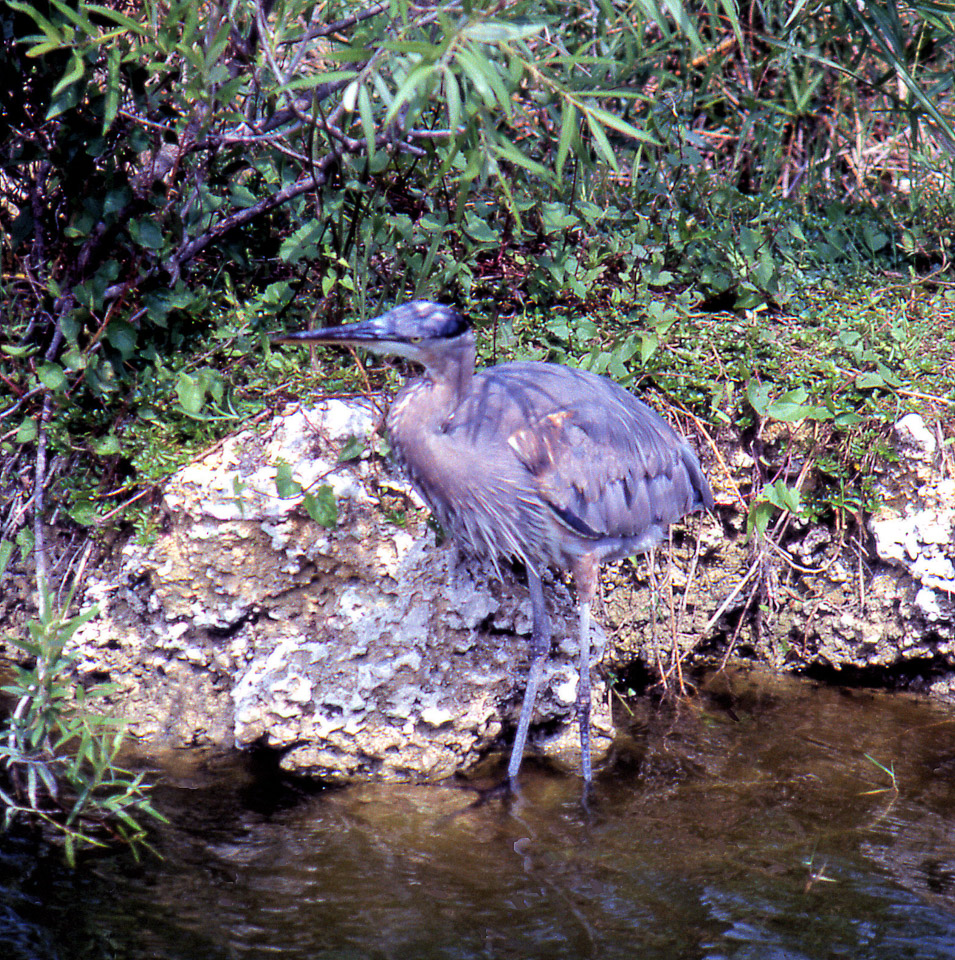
{"x":747,"y":824}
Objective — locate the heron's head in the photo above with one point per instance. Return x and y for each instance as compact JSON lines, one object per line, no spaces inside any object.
{"x":413,"y":330}
{"x":432,"y":334}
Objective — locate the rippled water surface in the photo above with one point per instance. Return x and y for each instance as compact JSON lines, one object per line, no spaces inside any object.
{"x":749,"y":824}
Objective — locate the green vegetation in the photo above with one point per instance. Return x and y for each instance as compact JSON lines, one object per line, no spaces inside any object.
{"x":745,"y":212}
{"x":60,"y":759}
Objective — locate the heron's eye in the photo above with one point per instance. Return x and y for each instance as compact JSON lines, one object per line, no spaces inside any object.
{"x":416,"y":339}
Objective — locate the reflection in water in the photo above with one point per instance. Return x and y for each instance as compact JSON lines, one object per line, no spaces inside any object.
{"x":749,"y":824}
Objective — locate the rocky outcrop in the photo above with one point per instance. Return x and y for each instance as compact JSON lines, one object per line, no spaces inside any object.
{"x":356,"y":651}
{"x":811,"y":596}
{"x":914,"y":537}
{"x":366,"y":650}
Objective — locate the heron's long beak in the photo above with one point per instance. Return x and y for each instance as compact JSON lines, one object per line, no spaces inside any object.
{"x":358,"y":334}
{"x":377,"y":335}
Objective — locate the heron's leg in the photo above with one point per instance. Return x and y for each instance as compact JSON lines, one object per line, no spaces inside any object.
{"x":540,"y":645}
{"x":583,"y":692}
{"x":585,"y":575}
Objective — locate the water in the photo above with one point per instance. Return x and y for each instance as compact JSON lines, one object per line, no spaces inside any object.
{"x":748,"y":824}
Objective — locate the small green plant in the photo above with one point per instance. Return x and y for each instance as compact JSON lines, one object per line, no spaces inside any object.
{"x":58,"y":758}
{"x":321,"y":506}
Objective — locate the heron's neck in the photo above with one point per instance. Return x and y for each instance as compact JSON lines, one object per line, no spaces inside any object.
{"x":451,"y":371}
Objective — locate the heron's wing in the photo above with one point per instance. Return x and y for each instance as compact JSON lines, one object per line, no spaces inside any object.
{"x":605,"y":463}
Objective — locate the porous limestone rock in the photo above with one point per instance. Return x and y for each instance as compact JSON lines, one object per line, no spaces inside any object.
{"x":914,"y":532}
{"x":360,"y":651}
{"x":878,"y":599}
{"x":366,"y":651}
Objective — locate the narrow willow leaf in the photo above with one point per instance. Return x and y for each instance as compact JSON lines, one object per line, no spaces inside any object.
{"x":601,"y":142}
{"x":474,"y":70}
{"x":416,"y":81}
{"x":476,"y":65}
{"x":609,"y":119}
{"x":507,"y":151}
{"x":317,"y":79}
{"x":731,"y":12}
{"x":568,"y":131}
{"x":425,"y":273}
{"x":452,"y":96}
{"x":367,"y":117}
{"x":74,"y":17}
{"x":381,"y":88}
{"x":684,"y":22}
{"x":127,"y":22}
{"x":54,"y":36}
{"x":73,"y":73}
{"x":111,"y":107}
{"x":496,"y":31}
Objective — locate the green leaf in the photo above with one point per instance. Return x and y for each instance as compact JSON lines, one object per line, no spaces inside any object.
{"x":122,"y":336}
{"x":25,"y":540}
{"x":6,"y":551}
{"x":789,"y":407}
{"x":507,"y":151}
{"x":52,"y":33}
{"x":318,"y":79}
{"x":74,"y":16}
{"x":609,"y":119}
{"x":284,"y":484}
{"x":452,"y":96}
{"x":301,"y":243}
{"x":113,"y":91}
{"x":757,"y":394}
{"x":354,"y":447}
{"x":416,"y":81}
{"x":601,"y":142}
{"x":83,"y":511}
{"x":760,"y":513}
{"x":568,"y":131}
{"x":498,"y":31}
{"x":367,"y":116}
{"x":27,"y":431}
{"x":107,"y":446}
{"x":52,"y":376}
{"x":321,"y":507}
{"x":120,"y":18}
{"x":191,"y":393}
{"x":477,"y":70}
{"x":74,"y":72}
{"x":146,"y":233}
{"x":782,"y":496}
{"x":557,"y":218}
{"x":870,"y":381}
{"x":478,"y":229}
{"x":649,"y":342}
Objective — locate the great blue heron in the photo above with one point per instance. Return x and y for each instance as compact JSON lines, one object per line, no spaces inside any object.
{"x":549,"y":465}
